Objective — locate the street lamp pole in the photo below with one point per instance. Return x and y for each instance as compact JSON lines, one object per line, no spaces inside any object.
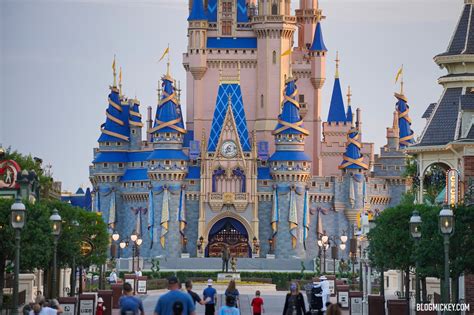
{"x":415,"y":230}
{"x":55,"y":220}
{"x":446,"y":226}
{"x":18,"y":214}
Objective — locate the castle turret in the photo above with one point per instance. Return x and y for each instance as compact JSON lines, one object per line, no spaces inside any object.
{"x":406,"y":135}
{"x":349,"y":115}
{"x":115,"y":132}
{"x":308,"y":16}
{"x":318,"y":77}
{"x":135,"y":122}
{"x":353,"y":159}
{"x":274,"y":27}
{"x":196,"y":62}
{"x":290,"y":165}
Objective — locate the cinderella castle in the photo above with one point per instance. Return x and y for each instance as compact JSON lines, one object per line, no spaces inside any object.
{"x":262,"y":164}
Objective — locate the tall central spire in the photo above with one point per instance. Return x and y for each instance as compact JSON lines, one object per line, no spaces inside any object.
{"x":337,"y":112}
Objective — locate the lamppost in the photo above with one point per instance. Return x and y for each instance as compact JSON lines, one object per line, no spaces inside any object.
{"x":55,"y":220}
{"x":323,"y":244}
{"x":415,"y":230}
{"x":72,"y":292}
{"x":446,"y":226}
{"x":136,"y":242}
{"x":332,"y":240}
{"x":18,"y":217}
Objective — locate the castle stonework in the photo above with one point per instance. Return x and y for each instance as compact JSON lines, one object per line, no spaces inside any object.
{"x":248,"y":168}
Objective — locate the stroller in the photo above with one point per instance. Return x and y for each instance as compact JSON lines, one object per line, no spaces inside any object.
{"x":314,"y":294}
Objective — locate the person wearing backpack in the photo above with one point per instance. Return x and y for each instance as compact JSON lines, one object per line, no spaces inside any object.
{"x":129,"y":304}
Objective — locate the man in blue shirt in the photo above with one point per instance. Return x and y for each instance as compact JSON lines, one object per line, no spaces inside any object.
{"x":174,"y":299}
{"x":210,"y":297}
{"x":130,"y":305}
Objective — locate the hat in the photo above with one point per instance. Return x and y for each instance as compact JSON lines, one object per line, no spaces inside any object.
{"x":172,"y":280}
{"x":100,"y":300}
{"x":323,"y":278}
{"x":209,"y":282}
{"x":54,"y":302}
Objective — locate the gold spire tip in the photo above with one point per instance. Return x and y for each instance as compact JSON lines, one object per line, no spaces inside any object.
{"x":114,"y":72}
{"x":349,"y":95}
{"x":337,"y":64}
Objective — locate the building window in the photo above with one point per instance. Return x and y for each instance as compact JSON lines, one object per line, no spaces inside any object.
{"x":120,"y":165}
{"x":375,"y":186}
{"x":290,"y":163}
{"x":274,"y":8}
{"x":107,"y":143}
{"x":313,"y":184}
{"x":106,"y":165}
{"x":265,"y":183}
{"x":264,"y":163}
{"x":119,"y":144}
{"x":133,"y":131}
{"x":326,"y":184}
{"x":167,"y":162}
{"x":182,"y":162}
{"x":261,"y":101}
{"x":191,"y":182}
{"x":226,"y":28}
{"x":227,"y":8}
{"x":304,"y":163}
{"x":301,"y":98}
{"x":274,"y":57}
{"x":168,"y":134}
{"x":141,"y":164}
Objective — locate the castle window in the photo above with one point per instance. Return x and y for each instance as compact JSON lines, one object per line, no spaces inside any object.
{"x":274,"y":8}
{"x":119,"y":143}
{"x":384,"y":186}
{"x":182,"y":162}
{"x":120,"y":165}
{"x":301,"y":98}
{"x":141,"y":184}
{"x":261,"y":101}
{"x":264,"y":163}
{"x":274,"y":57}
{"x":326,"y":184}
{"x":168,"y":134}
{"x":152,"y":162}
{"x":191,"y":182}
{"x":167,"y":162}
{"x":290,"y":163}
{"x":304,"y":163}
{"x":265,"y":183}
{"x":133,"y":131}
{"x":227,"y":29}
{"x":227,"y":8}
{"x":106,"y":165}
{"x":141,"y":163}
{"x":375,"y":186}
{"x":133,"y":184}
{"x":107,"y":143}
{"x":195,"y":162}
{"x":313,"y":184}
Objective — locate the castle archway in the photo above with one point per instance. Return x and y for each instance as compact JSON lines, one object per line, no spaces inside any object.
{"x":228,"y":231}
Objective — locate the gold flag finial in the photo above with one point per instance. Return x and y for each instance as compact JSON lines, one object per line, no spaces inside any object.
{"x":349,"y":95}
{"x":400,"y":75}
{"x":120,"y":81}
{"x":114,"y":72}
{"x":337,"y":64}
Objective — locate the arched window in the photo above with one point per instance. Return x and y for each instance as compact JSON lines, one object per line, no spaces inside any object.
{"x":274,"y":57}
{"x":274,"y":8}
{"x":261,"y":101}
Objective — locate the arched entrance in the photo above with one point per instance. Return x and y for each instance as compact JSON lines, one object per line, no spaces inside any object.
{"x":230,"y":232}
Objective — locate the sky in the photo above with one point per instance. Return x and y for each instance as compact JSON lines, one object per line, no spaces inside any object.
{"x":56,"y":56}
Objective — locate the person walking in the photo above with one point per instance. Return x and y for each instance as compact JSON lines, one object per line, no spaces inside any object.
{"x":294,"y":302}
{"x":129,"y":304}
{"x":229,"y":307}
{"x":170,"y":302}
{"x":194,"y":296}
{"x":113,"y":277}
{"x":225,"y":259}
{"x":232,"y":291}
{"x":326,"y":292}
{"x":257,"y":304}
{"x":210,"y":298}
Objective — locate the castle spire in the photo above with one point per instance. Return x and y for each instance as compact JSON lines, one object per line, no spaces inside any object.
{"x":349,"y":107}
{"x":404,"y":121}
{"x":197,"y":11}
{"x":352,"y":158}
{"x":114,"y":73}
{"x":337,"y":112}
{"x":318,"y":41}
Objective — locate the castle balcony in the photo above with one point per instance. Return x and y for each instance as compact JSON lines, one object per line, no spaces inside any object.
{"x":238,"y":200}
{"x":273,"y":19}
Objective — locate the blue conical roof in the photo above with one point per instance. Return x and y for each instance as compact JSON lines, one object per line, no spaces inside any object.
{"x":168,"y":117}
{"x":353,"y":159}
{"x":135,"y":118}
{"x":337,"y":112}
{"x":197,"y":12}
{"x":116,"y":126}
{"x":404,"y":122}
{"x":318,"y":41}
{"x":290,"y":121}
{"x":349,"y":113}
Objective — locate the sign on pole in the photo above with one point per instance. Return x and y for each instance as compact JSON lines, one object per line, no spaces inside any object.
{"x":452,"y":187}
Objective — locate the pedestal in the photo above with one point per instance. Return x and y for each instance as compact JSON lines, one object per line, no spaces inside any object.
{"x":227,"y":276}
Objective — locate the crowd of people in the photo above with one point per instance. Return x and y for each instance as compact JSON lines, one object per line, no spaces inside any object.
{"x":179,"y":301}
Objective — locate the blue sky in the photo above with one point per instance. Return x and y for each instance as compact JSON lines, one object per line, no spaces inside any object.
{"x":55,"y":65}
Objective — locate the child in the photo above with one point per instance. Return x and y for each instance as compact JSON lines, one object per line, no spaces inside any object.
{"x":229,"y":307}
{"x":100,"y":306}
{"x":257,"y":304}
